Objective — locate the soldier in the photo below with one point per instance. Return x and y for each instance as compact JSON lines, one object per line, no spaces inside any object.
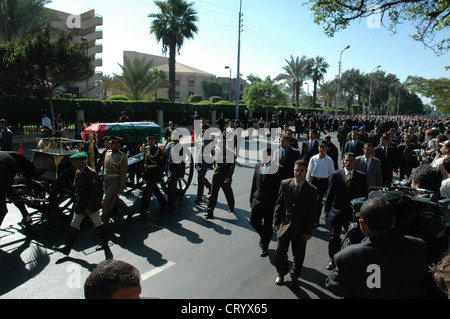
{"x":114,"y":178}
{"x":88,"y":202}
{"x":203,"y":163}
{"x":175,"y":169}
{"x":224,"y":164}
{"x":153,"y":174}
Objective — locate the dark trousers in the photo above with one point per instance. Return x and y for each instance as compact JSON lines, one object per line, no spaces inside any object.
{"x":339,"y":221}
{"x":298,"y":253}
{"x":217,"y":184}
{"x":7,"y":192}
{"x":202,"y":181}
{"x":322,"y":187}
{"x":151,"y":188}
{"x":261,"y":221}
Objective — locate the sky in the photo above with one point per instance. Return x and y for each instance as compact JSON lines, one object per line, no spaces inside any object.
{"x":272,"y":31}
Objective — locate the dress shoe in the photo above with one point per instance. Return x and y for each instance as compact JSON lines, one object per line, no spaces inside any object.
{"x":231,"y":210}
{"x":279,"y":280}
{"x":209,"y":216}
{"x":295,"y":283}
{"x":331,"y":265}
{"x":263,"y":253}
{"x":198,"y":200}
{"x":209,"y":189}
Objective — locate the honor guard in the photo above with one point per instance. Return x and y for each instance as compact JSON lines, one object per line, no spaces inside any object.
{"x":153,"y":175}
{"x":114,"y":178}
{"x":175,"y":169}
{"x":87,"y":203}
{"x":203,"y":162}
{"x":224,"y":164}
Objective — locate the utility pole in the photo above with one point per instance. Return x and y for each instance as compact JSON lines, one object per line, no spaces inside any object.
{"x":238,"y":62}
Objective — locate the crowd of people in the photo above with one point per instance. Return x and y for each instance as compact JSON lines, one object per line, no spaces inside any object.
{"x":295,"y":185}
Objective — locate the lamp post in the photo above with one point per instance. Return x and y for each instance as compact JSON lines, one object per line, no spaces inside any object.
{"x":229,"y":87}
{"x":339,"y":81}
{"x":370,"y":89}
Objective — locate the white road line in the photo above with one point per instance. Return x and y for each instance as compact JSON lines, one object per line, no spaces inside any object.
{"x":157,"y":270}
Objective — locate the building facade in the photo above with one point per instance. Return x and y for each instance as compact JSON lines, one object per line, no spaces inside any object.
{"x":84,"y":29}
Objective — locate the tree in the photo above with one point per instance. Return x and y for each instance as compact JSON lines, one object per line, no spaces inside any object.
{"x":52,"y":62}
{"x":296,"y":71}
{"x":263,"y":94}
{"x":354,"y":83}
{"x":429,"y":18}
{"x":328,"y":91}
{"x":20,"y":19}
{"x":438,"y":90}
{"x":318,"y":70}
{"x":137,"y":79}
{"x":172,"y":25}
{"x":212,"y":88}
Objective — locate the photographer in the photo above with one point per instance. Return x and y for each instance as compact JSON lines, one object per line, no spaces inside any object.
{"x":385,"y":265}
{"x":429,"y":178}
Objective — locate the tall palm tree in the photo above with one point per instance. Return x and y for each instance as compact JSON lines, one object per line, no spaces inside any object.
{"x":174,"y":23}
{"x":296,"y":71}
{"x":318,"y":70}
{"x":137,"y":78}
{"x":327,"y":92}
{"x":21,"y":18}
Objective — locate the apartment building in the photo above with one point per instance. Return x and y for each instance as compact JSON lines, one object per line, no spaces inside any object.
{"x":84,"y":29}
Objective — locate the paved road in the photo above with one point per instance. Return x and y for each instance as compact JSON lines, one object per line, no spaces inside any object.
{"x":180,"y":255}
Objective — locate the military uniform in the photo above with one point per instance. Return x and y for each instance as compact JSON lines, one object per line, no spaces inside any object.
{"x":114,"y":178}
{"x":175,"y":170}
{"x":224,"y":164}
{"x":153,"y":174}
{"x":87,"y":202}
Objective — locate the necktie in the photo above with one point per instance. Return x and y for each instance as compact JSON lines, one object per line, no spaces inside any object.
{"x":366,"y":164}
{"x":349,"y":179}
{"x":283,"y":155}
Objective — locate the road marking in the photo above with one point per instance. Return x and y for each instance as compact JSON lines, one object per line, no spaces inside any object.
{"x":157,"y":270}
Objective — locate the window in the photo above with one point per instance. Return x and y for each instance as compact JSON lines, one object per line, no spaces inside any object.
{"x":191,"y":83}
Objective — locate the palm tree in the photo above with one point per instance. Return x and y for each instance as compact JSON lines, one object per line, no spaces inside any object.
{"x":327,"y":92}
{"x":21,"y":18}
{"x":174,"y":23}
{"x":296,"y":71}
{"x":137,"y":78}
{"x":318,"y":70}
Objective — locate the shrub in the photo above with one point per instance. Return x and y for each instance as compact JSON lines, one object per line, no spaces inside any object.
{"x":195,"y":98}
{"x":118,"y":98}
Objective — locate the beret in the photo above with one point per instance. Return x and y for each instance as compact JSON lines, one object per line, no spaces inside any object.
{"x":79,"y":156}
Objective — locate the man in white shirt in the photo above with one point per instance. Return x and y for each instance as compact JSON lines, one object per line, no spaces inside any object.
{"x":46,"y":124}
{"x":440,"y":157}
{"x":320,"y":168}
{"x":445,"y":185}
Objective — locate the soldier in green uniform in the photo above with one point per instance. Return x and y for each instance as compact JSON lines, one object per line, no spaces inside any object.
{"x":224,"y":164}
{"x":114,"y":177}
{"x":88,"y":202}
{"x":153,"y":174}
{"x":175,"y":168}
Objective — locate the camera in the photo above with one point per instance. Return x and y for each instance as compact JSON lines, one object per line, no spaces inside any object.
{"x":423,"y":216}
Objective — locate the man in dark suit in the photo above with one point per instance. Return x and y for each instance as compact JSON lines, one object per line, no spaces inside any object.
{"x":293,"y":220}
{"x":370,"y":165}
{"x":332,"y":151}
{"x":385,"y":265}
{"x":286,"y":157}
{"x":263,"y":196}
{"x":375,"y":135}
{"x":344,"y":186}
{"x":310,"y":147}
{"x":387,"y":154}
{"x":354,"y":145}
{"x":406,"y":159}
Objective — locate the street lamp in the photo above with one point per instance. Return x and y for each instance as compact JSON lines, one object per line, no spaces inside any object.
{"x":339,"y":80}
{"x":229,"y":87}
{"x":370,"y":90}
